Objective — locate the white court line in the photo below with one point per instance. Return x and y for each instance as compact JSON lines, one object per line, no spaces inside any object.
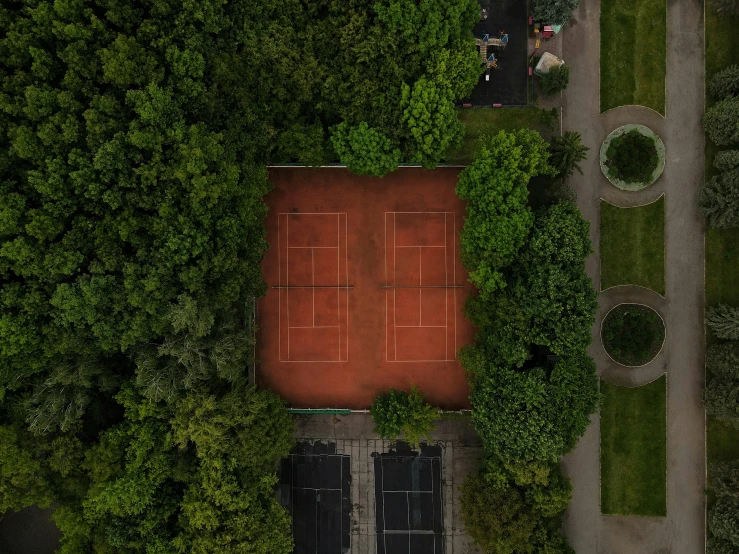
{"x":395,"y":319}
{"x":279,"y":292}
{"x":420,"y":283}
{"x":287,"y":278}
{"x":311,"y":247}
{"x":421,"y":326}
{"x":454,"y":279}
{"x":338,"y":278}
{"x":314,"y":326}
{"x":418,"y":246}
{"x":446,"y":293}
{"x":386,"y":283}
{"x":346,"y":274}
{"x":313,"y":282}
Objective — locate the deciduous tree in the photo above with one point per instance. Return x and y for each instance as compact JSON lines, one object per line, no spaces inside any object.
{"x":719,"y":200}
{"x":723,"y":321}
{"x":721,"y":121}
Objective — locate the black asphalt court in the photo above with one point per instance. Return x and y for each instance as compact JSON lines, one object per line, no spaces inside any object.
{"x":315,"y":488}
{"x":408,"y":501}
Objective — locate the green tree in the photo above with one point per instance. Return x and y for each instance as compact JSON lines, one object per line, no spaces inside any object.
{"x":185,"y":480}
{"x":363,"y":150}
{"x":556,"y":80}
{"x":719,"y":200}
{"x":721,"y":121}
{"x":527,"y":514}
{"x":726,"y":160}
{"x":554,"y":12}
{"x":534,"y":414}
{"x":721,"y":395}
{"x":498,"y":219}
{"x":431,"y":119}
{"x":395,"y":412}
{"x":723,"y":321}
{"x":22,"y":481}
{"x":725,"y":83}
{"x":566,"y":153}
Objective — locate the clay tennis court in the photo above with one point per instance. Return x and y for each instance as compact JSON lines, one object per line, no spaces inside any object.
{"x":365,"y":287}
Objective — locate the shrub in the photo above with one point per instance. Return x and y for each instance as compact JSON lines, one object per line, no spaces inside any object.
{"x":725,"y":83}
{"x":395,"y":412}
{"x":727,"y":159}
{"x":633,"y":334}
{"x":632,"y":157}
{"x":719,"y":200}
{"x":721,"y":121}
{"x":566,"y":151}
{"x":556,"y":80}
{"x":723,"y":321}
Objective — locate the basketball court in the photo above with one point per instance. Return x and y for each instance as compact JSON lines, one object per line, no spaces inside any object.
{"x":365,"y":287}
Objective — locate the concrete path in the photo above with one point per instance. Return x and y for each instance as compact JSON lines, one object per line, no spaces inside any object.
{"x":682,"y":531}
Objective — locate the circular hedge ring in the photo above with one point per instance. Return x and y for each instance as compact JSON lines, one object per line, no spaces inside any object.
{"x":632,"y":157}
{"x":633,"y":334}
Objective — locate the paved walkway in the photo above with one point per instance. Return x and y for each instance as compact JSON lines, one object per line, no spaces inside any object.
{"x":682,"y":531}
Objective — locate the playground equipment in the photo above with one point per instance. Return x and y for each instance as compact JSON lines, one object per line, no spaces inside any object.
{"x":498,"y":42}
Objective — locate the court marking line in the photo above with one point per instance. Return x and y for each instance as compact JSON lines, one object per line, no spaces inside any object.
{"x":279,"y":292}
{"x":420,"y":283}
{"x":287,"y":288}
{"x":387,"y":331}
{"x":454,"y":279}
{"x":313,"y":283}
{"x":338,"y":278}
{"x":287,"y":276}
{"x":421,"y":326}
{"x":346,"y":274}
{"x":314,"y":326}
{"x":446,"y":279}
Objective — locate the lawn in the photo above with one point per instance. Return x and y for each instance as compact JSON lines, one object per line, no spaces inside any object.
{"x":632,"y":53}
{"x":632,"y":246}
{"x":722,"y":246}
{"x":633,"y":449}
{"x":480,"y":122}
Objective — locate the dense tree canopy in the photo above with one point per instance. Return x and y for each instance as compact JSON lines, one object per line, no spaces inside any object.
{"x":719,"y":200}
{"x":721,"y":121}
{"x":498,"y":218}
{"x":536,"y":414}
{"x":527,"y":501}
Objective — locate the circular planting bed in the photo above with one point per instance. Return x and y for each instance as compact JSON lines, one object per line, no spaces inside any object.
{"x":633,"y":334}
{"x":632,"y":157}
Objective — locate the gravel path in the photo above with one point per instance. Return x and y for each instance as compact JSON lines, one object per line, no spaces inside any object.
{"x":683,"y":530}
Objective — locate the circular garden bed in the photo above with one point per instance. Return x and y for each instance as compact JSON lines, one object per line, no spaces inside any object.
{"x":632,"y":157}
{"x":633,"y":334}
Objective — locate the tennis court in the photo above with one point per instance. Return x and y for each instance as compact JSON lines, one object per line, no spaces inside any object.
{"x":408,"y":501}
{"x":365,"y":287}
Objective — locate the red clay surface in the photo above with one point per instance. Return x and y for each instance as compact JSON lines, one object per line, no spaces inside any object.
{"x":365,"y":288}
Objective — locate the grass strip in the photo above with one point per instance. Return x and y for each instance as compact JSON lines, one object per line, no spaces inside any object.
{"x":632,"y":246}
{"x":633,"y":449}
{"x":479,"y":122}
{"x":633,"y":53}
{"x":722,"y":246}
